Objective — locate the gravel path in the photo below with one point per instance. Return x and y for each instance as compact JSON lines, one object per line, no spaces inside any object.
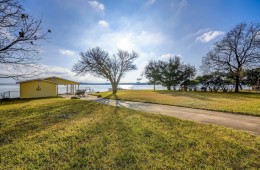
{"x":241,"y":122}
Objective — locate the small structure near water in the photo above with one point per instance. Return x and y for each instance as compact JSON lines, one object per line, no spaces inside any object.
{"x":46,"y":87}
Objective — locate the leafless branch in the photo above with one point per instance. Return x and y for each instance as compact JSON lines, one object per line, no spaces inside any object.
{"x":98,"y":63}
{"x":20,"y":34}
{"x":238,"y":50}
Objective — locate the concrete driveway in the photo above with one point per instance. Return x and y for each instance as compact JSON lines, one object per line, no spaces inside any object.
{"x":241,"y":122}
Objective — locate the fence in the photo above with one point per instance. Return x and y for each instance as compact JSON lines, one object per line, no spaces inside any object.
{"x":9,"y":95}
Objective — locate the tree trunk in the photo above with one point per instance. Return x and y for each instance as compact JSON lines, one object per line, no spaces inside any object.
{"x":114,"y":87}
{"x":237,"y":84}
{"x":241,"y":88}
{"x":154,"y":86}
{"x":168,"y":87}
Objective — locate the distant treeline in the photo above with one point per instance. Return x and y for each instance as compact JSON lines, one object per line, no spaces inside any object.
{"x":7,"y":83}
{"x":110,"y":84}
{"x":91,"y":84}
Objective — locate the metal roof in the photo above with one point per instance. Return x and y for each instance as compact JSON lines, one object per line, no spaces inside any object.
{"x":48,"y":79}
{"x":54,"y":79}
{"x":25,"y":81}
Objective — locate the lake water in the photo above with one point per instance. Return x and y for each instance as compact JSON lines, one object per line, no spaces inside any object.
{"x":62,"y":89}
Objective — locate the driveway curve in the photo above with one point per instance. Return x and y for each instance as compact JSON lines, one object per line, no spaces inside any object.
{"x":241,"y":122}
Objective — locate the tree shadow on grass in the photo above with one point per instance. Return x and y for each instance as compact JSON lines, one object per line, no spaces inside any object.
{"x":106,"y":99}
{"x":20,"y":101}
{"x":193,"y":95}
{"x":112,"y":96}
{"x":44,"y":118}
{"x":209,"y":95}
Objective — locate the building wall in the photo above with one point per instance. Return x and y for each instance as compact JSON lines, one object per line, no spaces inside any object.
{"x":37,"y":88}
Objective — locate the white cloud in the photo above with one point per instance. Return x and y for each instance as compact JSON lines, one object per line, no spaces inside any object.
{"x":67,"y":52}
{"x":98,"y":6}
{"x":129,"y":40}
{"x":57,"y":71}
{"x":103,"y":23}
{"x":17,"y":71}
{"x":4,"y":32}
{"x":178,"y":5}
{"x":129,"y":35}
{"x":208,"y":36}
{"x":49,"y":71}
{"x":166,"y":56}
{"x":141,"y":42}
{"x":169,"y":55}
{"x":150,"y":2}
{"x":144,"y":43}
{"x":258,"y":35}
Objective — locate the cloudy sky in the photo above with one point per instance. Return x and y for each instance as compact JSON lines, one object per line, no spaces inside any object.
{"x":156,"y":29}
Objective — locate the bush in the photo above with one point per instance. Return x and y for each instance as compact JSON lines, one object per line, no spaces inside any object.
{"x":74,"y":97}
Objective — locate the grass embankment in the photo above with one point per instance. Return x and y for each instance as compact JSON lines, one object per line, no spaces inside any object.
{"x":74,"y":134}
{"x":242,"y":103}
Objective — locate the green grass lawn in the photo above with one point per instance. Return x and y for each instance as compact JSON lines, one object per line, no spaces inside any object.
{"x":58,"y":133}
{"x":243,"y":103}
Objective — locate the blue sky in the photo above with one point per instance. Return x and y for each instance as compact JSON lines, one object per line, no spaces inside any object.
{"x":156,"y":29}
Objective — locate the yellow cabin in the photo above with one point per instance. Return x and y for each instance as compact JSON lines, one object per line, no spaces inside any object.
{"x":47,"y":87}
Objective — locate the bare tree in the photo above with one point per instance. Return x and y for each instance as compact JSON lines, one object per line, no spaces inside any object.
{"x":238,"y":50}
{"x":19,"y":34}
{"x":98,"y":63}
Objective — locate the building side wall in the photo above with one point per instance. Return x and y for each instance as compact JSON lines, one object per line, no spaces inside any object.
{"x":35,"y":89}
